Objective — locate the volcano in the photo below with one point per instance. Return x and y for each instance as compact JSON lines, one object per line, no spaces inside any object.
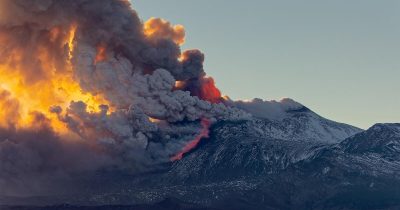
{"x":302,"y":161}
{"x":101,"y":110}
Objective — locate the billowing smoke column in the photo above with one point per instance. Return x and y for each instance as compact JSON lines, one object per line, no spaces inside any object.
{"x":85,"y":85}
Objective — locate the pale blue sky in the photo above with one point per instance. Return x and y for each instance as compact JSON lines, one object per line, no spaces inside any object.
{"x":340,"y":58}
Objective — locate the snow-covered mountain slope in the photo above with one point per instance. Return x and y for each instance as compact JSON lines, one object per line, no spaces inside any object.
{"x":288,"y":163}
{"x":304,"y":125}
{"x":290,"y":120}
{"x":362,"y":172}
{"x":260,"y":146}
{"x":379,"y":139}
{"x":238,"y":169}
{"x":376,"y":149}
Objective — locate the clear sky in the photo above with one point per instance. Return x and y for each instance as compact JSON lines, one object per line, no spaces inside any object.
{"x":340,"y":58}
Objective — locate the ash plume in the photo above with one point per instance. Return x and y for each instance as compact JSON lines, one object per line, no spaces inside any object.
{"x":86,"y":85}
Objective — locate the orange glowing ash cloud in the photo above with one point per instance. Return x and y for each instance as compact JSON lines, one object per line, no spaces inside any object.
{"x":157,"y":28}
{"x":209,"y":91}
{"x":205,"y":123}
{"x":24,"y":92}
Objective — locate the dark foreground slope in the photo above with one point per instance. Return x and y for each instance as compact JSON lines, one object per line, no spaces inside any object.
{"x":168,"y":204}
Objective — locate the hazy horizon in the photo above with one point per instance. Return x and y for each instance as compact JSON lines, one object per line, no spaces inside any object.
{"x":337,"y":58}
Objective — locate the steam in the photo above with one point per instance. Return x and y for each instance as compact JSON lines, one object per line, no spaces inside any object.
{"x":87,"y":80}
{"x":275,"y":110}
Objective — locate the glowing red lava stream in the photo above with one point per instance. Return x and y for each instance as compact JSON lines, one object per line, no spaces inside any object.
{"x":205,"y":123}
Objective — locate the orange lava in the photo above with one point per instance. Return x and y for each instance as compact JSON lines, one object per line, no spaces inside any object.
{"x":205,"y":123}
